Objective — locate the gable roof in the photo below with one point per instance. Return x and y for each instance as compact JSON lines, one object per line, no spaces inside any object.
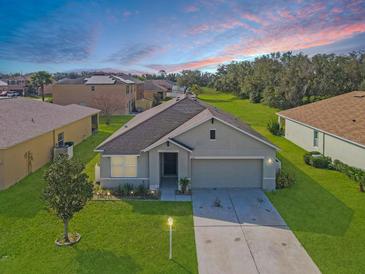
{"x":154,"y":85}
{"x":342,"y":116}
{"x":22,"y":118}
{"x":165,"y":122}
{"x":100,"y":80}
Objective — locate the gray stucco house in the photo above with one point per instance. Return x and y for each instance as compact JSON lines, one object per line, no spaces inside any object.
{"x":187,"y":138}
{"x":335,"y":127}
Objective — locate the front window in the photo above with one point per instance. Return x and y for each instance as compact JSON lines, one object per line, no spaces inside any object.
{"x":124,"y":166}
{"x":315,"y":138}
{"x":92,"y":88}
{"x":60,"y":139}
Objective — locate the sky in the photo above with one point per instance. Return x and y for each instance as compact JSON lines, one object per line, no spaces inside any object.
{"x":147,"y":36}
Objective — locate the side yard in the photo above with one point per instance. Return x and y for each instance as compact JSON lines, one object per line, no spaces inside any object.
{"x":117,"y":237}
{"x":324,"y":208}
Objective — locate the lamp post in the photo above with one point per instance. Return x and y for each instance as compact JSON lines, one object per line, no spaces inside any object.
{"x":170,"y":222}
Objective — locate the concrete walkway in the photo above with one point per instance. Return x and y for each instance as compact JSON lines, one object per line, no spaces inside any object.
{"x":244,"y":235}
{"x":168,"y":192}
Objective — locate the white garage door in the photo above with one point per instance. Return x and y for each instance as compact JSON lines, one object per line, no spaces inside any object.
{"x":220,"y":173}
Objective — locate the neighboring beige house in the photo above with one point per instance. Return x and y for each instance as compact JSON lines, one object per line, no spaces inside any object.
{"x":111,"y":94}
{"x":31,"y":129}
{"x":3,"y":86}
{"x":187,"y":138}
{"x":335,"y":127}
{"x":16,"y":83}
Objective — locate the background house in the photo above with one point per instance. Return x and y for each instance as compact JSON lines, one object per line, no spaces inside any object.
{"x":112,"y":94}
{"x":186,"y":138}
{"x":335,"y":127}
{"x":154,"y":88}
{"x":31,"y":129}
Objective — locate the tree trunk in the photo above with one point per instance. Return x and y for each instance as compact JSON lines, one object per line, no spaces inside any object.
{"x":42,"y":91}
{"x":65,"y":231}
{"x":361,"y":186}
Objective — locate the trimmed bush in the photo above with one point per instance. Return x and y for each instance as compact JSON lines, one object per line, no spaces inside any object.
{"x":317,"y":160}
{"x":356,"y":174}
{"x":275,"y":128}
{"x":284,"y":179}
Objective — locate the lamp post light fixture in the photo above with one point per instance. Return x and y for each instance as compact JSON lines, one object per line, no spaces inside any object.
{"x":170,"y":222}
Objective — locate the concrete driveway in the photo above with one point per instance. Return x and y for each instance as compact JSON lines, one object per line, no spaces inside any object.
{"x":244,"y":235}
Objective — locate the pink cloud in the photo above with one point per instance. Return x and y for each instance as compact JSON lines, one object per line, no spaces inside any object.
{"x":291,"y":40}
{"x":220,"y":26}
{"x":253,"y":18}
{"x":191,"y":8}
{"x":192,"y":64}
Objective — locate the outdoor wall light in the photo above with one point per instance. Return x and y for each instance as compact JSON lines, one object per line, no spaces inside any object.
{"x":269,"y":161}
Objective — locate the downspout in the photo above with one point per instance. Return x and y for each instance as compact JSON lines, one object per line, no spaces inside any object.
{"x":323,"y":144}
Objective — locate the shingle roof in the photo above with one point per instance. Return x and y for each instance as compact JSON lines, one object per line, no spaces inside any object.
{"x":153,"y":85}
{"x":68,"y":81}
{"x":2,"y":83}
{"x":100,"y":80}
{"x":166,"y":122}
{"x":343,"y":116}
{"x":142,"y":135}
{"x":22,"y":119}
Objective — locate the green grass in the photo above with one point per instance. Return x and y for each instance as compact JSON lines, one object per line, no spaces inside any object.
{"x":117,"y":237}
{"x":324,"y":208}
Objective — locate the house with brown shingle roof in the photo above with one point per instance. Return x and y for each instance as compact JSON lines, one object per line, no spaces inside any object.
{"x":186,"y":138}
{"x":335,"y":127}
{"x":31,"y":129}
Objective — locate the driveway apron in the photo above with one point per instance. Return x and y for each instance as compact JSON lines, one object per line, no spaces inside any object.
{"x":239,"y":231}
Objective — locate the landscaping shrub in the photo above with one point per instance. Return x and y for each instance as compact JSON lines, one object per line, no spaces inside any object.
{"x":316,"y":159}
{"x":141,"y":190}
{"x":275,"y":128}
{"x":184,"y":182}
{"x":127,"y":189}
{"x":356,"y":174}
{"x":284,"y":179}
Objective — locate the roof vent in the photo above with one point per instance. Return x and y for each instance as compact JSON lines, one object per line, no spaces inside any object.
{"x":354,"y":120}
{"x":360,"y":96}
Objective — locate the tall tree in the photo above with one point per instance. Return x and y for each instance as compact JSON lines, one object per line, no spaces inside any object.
{"x":67,"y":190}
{"x":40,"y":79}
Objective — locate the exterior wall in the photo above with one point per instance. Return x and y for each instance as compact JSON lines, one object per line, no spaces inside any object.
{"x":143,"y":104}
{"x":302,"y":136}
{"x":83,"y":95}
{"x":13,"y":165}
{"x":148,"y":94}
{"x":230,"y":143}
{"x":331,"y":146}
{"x":109,"y":182}
{"x":346,"y":152}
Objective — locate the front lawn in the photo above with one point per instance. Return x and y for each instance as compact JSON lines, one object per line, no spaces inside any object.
{"x":116,"y":237}
{"x":324,"y":208}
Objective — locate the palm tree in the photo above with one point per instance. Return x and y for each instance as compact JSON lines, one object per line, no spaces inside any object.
{"x":40,"y":79}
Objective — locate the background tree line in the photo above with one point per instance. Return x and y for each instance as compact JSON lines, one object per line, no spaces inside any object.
{"x":285,"y":80}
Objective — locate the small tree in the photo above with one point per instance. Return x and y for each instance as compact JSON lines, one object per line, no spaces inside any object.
{"x":196,"y":89}
{"x":109,"y":104}
{"x":67,"y":190}
{"x":40,"y":79}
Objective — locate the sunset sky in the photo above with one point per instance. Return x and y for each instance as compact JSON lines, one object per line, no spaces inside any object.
{"x":146,"y":36}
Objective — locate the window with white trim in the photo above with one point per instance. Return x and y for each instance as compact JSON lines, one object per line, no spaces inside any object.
{"x":123,"y":166}
{"x":315,"y":138}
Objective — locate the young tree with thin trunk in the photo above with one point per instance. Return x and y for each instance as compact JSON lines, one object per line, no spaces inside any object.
{"x":40,"y":79}
{"x":110,"y":104}
{"x":68,"y":189}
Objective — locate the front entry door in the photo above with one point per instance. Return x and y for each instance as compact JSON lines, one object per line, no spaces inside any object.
{"x":170,"y":164}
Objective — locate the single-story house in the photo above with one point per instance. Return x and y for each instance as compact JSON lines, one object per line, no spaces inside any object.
{"x":185,"y":137}
{"x":335,"y":127}
{"x":31,"y":129}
